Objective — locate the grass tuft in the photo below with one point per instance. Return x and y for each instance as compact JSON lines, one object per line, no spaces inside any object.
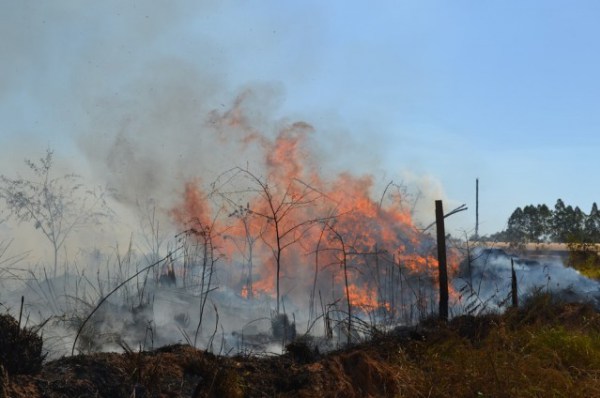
{"x":20,"y":348}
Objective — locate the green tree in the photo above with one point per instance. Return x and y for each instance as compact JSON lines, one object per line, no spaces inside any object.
{"x":567,"y":223}
{"x":530,"y":224}
{"x":516,"y":231}
{"x":544,"y":221}
{"x":592,"y":225}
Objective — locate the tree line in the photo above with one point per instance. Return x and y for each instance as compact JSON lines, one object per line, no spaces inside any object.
{"x":541,"y":224}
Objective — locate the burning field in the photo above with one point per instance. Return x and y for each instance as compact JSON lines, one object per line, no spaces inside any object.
{"x":281,"y":280}
{"x":245,"y":240}
{"x":278,"y":248}
{"x":545,"y":348}
{"x":243,"y":260}
{"x":258,"y":270}
{"x":234,"y":201}
{"x":283,"y":283}
{"x":285,"y":234}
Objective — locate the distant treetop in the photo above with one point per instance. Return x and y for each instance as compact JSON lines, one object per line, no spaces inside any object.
{"x":539,"y":223}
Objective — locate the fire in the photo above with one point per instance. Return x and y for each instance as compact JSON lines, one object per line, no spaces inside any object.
{"x":194,"y":206}
{"x":366,"y":298}
{"x":316,"y":233}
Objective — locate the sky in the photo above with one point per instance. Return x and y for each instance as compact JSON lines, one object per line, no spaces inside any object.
{"x":434,"y":94}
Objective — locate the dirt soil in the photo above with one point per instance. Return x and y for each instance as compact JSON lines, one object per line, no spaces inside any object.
{"x":544,"y":350}
{"x":183,"y":371}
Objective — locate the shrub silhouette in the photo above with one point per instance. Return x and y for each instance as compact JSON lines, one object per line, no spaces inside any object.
{"x":20,"y":348}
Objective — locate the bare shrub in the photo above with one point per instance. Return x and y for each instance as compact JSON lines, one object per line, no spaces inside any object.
{"x":20,"y":348}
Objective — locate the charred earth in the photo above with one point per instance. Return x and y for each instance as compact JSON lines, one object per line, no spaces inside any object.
{"x":545,"y":348}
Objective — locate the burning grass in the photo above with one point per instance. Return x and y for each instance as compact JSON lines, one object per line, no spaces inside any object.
{"x":546,"y":348}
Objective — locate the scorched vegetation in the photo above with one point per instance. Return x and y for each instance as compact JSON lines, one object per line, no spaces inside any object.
{"x":546,"y":348}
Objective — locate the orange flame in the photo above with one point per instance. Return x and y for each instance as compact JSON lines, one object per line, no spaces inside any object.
{"x":310,"y":223}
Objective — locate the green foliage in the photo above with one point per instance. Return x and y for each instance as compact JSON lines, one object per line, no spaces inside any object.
{"x":538,"y":223}
{"x":585,"y":258}
{"x":567,"y":223}
{"x":592,"y":224}
{"x":567,"y":349}
{"x":545,"y":348}
{"x":530,"y":224}
{"x":590,"y":268}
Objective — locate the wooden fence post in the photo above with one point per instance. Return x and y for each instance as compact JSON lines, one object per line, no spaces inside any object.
{"x":442,"y":266}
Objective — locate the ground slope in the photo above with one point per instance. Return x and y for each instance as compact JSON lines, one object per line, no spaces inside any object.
{"x":544,"y":349}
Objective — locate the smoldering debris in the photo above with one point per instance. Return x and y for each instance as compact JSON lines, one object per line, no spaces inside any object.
{"x":484,"y":281}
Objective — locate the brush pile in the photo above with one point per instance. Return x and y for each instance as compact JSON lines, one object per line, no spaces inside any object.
{"x":20,"y":348}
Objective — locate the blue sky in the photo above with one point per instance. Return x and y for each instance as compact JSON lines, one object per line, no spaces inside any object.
{"x":503,"y":91}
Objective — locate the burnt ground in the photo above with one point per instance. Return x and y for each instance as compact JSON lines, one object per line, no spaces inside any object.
{"x":546,"y":349}
{"x":183,"y":371}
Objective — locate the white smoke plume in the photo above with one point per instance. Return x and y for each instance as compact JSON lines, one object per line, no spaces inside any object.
{"x":486,"y":281}
{"x":131,"y":101}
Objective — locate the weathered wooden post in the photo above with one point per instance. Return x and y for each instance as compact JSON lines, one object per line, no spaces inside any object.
{"x":442,"y":266}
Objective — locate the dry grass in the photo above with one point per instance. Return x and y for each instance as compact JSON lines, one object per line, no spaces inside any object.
{"x":545,"y":349}
{"x":20,"y":348}
{"x":586,"y":261}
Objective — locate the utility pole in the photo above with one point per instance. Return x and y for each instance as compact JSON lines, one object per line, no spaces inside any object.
{"x":477,"y":208}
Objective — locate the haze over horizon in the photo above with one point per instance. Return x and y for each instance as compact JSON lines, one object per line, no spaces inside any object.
{"x":428,"y":94}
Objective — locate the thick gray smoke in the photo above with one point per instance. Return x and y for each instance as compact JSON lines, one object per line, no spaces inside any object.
{"x":142,"y":98}
{"x":485,"y":283}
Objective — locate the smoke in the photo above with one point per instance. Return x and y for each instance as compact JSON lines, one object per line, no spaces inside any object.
{"x":134,"y":102}
{"x":128,"y":93}
{"x":486,"y":282}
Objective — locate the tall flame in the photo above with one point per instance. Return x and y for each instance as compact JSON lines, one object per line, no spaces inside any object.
{"x":321,"y":231}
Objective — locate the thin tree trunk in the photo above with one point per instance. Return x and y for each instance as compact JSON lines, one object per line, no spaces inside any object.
{"x":278,"y":259}
{"x":345,"y":264}
{"x":56,"y":249}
